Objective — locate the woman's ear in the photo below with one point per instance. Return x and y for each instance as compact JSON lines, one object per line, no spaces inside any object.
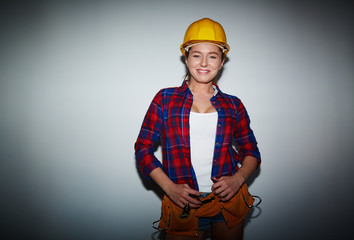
{"x":186,"y":60}
{"x":222,"y":63}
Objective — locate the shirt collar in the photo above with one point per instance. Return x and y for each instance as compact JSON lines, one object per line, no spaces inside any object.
{"x":184,"y":89}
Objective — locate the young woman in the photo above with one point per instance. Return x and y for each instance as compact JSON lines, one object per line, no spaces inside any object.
{"x":202,"y":172}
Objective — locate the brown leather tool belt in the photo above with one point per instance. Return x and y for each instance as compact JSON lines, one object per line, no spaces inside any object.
{"x":184,"y":222}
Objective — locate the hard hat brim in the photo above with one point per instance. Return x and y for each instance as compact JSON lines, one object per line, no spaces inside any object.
{"x":224,"y":47}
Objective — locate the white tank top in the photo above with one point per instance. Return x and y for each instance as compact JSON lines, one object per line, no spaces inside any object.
{"x":202,"y":127}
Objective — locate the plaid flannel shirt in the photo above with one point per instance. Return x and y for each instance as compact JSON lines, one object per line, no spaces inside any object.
{"x":167,"y":120}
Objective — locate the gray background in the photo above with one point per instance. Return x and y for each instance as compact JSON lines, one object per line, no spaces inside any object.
{"x":77,"y":78}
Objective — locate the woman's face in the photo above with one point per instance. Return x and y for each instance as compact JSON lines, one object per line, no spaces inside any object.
{"x":204,"y":62}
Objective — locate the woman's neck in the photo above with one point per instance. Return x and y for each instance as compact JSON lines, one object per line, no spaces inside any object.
{"x":201,"y":88}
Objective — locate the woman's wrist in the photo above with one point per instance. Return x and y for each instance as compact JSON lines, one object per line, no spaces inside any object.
{"x":167,"y":187}
{"x":239,"y":179}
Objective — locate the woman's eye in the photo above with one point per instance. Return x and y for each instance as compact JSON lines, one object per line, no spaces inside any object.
{"x":196,"y":55}
{"x":213,"y":57}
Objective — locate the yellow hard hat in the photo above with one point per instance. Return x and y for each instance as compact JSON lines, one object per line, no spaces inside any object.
{"x":205,"y":30}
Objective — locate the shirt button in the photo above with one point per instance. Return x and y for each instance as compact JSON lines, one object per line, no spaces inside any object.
{"x":219,"y":109}
{"x":219,"y":125}
{"x":217,"y":144}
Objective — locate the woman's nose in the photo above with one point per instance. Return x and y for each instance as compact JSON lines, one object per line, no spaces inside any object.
{"x":204,"y":62}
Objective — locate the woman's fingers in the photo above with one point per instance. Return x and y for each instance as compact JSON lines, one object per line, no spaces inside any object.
{"x":219,"y":186}
{"x":224,"y":188}
{"x":191,"y":195}
{"x":182,"y":195}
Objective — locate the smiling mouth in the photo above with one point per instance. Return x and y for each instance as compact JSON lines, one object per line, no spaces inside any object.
{"x":201,"y":71}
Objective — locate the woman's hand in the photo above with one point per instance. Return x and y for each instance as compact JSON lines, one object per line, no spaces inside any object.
{"x":180,"y":194}
{"x":226,"y":187}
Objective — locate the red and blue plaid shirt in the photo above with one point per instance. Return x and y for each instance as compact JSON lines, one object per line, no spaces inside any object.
{"x":167,"y":120}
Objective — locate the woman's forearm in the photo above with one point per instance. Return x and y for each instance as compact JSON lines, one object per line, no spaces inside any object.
{"x":160,"y":177}
{"x":249,"y":164}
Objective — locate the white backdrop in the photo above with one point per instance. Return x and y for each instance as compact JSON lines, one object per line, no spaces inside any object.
{"x":78,"y":77}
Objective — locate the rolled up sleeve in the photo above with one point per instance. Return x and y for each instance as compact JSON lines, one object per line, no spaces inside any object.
{"x":147,"y":138}
{"x":245,"y":139}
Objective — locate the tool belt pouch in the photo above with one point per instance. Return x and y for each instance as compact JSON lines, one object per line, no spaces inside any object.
{"x":172,"y":223}
{"x":236,"y":209}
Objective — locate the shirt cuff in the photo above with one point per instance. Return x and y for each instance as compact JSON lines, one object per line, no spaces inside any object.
{"x":147,"y":169}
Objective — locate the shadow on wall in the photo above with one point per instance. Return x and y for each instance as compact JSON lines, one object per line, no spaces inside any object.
{"x":150,"y":185}
{"x":255,"y":212}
